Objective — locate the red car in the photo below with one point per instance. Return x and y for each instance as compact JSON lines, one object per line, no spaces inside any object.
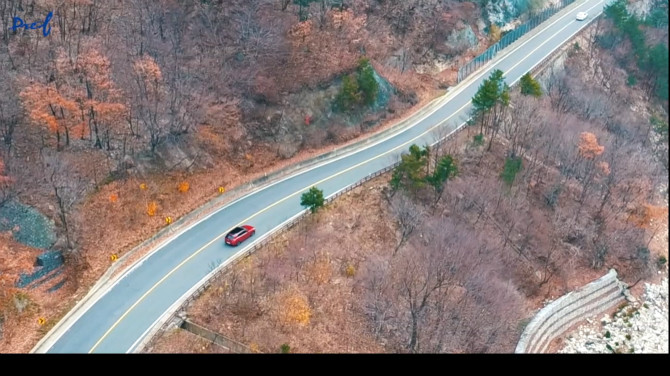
{"x":239,"y":234}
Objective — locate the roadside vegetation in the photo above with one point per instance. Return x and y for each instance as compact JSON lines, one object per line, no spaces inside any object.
{"x":544,"y":192}
{"x":127,"y":118}
{"x":124,"y":119}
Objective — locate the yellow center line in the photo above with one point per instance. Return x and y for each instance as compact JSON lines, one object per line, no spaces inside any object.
{"x":255,"y":215}
{"x":296,"y":193}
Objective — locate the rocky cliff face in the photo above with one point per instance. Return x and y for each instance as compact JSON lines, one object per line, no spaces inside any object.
{"x":502,"y":12}
{"x":462,"y":39}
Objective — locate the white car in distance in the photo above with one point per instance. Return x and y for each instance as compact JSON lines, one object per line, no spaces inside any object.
{"x":581,"y":16}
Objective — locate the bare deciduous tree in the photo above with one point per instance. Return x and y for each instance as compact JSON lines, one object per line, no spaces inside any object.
{"x":68,"y":188}
{"x":409,"y":216}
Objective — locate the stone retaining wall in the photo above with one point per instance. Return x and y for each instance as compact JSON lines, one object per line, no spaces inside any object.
{"x":557,"y":317}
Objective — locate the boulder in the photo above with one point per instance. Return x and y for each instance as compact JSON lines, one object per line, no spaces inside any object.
{"x":462,"y":39}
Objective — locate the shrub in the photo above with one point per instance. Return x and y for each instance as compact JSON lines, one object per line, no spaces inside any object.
{"x":529,"y":86}
{"x":350,"y":271}
{"x":22,"y":302}
{"x":293,"y":308}
{"x":512,"y":167}
{"x":285,"y":348}
{"x":608,"y":334}
{"x":183,"y":187}
{"x":495,"y":33}
{"x":367,"y":82}
{"x":643,"y":254}
{"x":359,"y":88}
{"x":312,"y":199}
{"x":478,"y":140}
{"x":349,"y":94}
{"x":661,"y":261}
{"x":152,"y":207}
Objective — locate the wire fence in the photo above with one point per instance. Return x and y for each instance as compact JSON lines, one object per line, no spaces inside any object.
{"x":509,"y":38}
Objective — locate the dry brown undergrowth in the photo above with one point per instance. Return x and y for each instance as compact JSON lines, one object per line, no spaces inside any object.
{"x":126,"y":215}
{"x":326,"y":324}
{"x":325,"y":263}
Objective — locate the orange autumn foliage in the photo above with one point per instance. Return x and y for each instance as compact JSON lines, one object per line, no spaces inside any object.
{"x":644,"y":215}
{"x":152,"y":207}
{"x":293,"y":308}
{"x":100,"y":100}
{"x":149,"y":74}
{"x":47,"y":107}
{"x":588,"y":146}
{"x":147,"y":68}
{"x":183,"y":187}
{"x":82,"y":93}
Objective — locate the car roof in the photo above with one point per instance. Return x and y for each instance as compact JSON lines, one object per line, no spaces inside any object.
{"x":236,"y":230}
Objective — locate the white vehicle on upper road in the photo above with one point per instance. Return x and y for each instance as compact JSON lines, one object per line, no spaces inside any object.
{"x":123,"y":311}
{"x":581,"y":16}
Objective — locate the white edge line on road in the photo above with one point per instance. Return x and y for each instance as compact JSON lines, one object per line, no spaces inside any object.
{"x":355,"y":166}
{"x":167,"y":314}
{"x":185,"y":296}
{"x":437,"y":105}
{"x":584,"y":24}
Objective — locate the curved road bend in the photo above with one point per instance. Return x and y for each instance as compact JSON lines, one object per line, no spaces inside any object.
{"x":118,"y":320}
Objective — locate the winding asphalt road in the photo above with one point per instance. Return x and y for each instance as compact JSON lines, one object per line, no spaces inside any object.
{"x":117,"y":320}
